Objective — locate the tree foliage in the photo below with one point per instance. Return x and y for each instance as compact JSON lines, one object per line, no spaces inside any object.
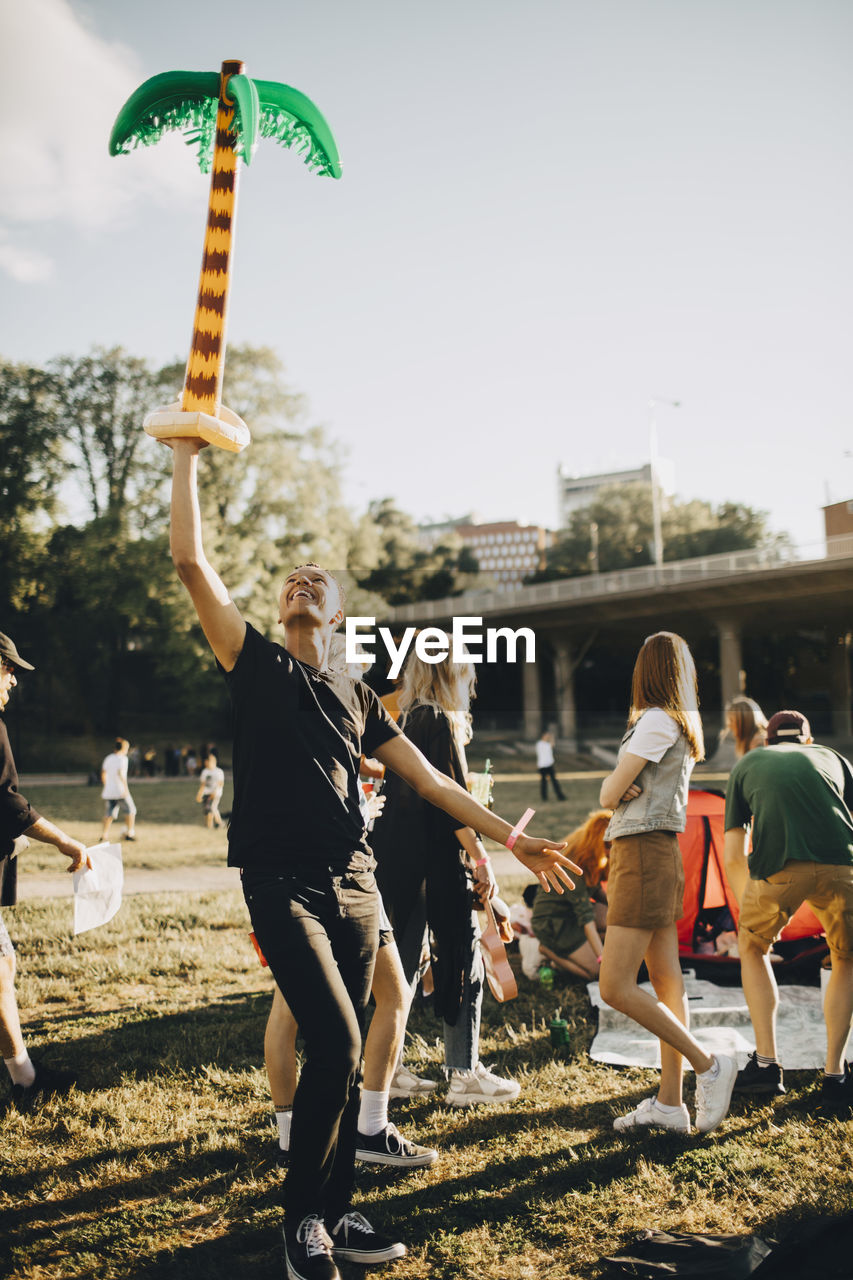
{"x":405,"y":570}
{"x":617,"y":526}
{"x":99,"y":400}
{"x":30,"y":473}
{"x":91,"y":585}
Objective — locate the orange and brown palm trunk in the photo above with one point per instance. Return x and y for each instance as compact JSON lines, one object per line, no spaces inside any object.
{"x":203,"y":383}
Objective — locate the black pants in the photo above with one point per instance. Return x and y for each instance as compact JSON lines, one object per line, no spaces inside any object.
{"x":550,"y":772}
{"x":319,"y":933}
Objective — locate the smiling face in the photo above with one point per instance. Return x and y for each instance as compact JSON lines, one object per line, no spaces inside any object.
{"x":310,"y":594}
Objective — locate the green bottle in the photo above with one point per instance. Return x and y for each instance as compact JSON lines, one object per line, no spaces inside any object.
{"x":546,"y":976}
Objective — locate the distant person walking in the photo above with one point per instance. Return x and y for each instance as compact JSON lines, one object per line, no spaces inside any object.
{"x":116,"y":793}
{"x":19,"y":822}
{"x":211,"y":783}
{"x":545,"y":763}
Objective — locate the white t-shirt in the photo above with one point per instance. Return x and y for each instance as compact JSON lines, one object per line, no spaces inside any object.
{"x":114,"y":770}
{"x":654,"y":734}
{"x":544,"y":755}
{"x":213,"y":780}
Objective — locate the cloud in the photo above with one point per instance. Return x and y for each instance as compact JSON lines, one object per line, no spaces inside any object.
{"x":59,"y":95}
{"x":27,"y":266}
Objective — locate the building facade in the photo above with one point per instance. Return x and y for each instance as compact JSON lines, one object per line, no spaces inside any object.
{"x":505,"y":550}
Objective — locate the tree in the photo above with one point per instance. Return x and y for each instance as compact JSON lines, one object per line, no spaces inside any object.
{"x":30,"y":475}
{"x":100,"y":400}
{"x":406,"y":571}
{"x":615,"y":529}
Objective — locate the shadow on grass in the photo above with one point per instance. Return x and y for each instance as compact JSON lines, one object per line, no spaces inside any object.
{"x":226,"y":1034}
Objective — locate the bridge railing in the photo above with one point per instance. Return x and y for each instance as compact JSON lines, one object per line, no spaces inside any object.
{"x":644,"y":577}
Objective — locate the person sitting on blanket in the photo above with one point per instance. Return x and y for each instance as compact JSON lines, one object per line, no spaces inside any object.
{"x":569,"y":931}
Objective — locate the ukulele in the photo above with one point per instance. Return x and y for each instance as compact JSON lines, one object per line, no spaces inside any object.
{"x":499,"y":975}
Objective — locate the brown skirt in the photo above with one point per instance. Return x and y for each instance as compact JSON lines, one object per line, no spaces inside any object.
{"x":645,"y":885}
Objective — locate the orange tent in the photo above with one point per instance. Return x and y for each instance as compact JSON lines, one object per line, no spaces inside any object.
{"x":706,"y":885}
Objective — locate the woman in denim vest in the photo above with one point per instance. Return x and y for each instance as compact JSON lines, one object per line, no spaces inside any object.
{"x":648,"y":793}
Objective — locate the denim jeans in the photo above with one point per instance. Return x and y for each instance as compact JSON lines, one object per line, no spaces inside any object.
{"x":462,"y":1041}
{"x":319,"y":933}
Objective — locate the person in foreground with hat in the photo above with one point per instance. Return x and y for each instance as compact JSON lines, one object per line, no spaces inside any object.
{"x":798,"y":796}
{"x":30,"y":1080}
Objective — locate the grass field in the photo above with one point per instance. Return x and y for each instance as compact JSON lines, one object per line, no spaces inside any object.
{"x":161,"y":1162}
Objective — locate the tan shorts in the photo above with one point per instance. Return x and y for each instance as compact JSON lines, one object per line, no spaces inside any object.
{"x":645,"y":885}
{"x":769,"y":904}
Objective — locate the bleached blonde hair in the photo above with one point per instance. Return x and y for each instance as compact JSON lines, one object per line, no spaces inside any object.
{"x":665,"y":677}
{"x":444,"y":685}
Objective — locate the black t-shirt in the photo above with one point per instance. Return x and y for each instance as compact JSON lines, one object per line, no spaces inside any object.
{"x":299,"y":735}
{"x":16,"y":813}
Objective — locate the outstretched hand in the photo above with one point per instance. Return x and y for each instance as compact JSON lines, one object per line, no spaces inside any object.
{"x":547,"y":862}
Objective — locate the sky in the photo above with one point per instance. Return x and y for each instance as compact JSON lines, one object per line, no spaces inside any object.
{"x":551,"y":213}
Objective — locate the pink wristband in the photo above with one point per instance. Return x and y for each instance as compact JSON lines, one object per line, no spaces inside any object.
{"x":484,"y":862}
{"x":519,"y":827}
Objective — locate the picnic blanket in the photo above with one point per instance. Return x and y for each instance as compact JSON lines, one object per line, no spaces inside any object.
{"x":719,"y":1019}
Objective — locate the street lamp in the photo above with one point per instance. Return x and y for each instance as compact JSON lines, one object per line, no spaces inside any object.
{"x":657,"y":534}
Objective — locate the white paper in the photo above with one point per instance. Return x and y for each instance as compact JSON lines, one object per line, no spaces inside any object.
{"x":97,"y":892}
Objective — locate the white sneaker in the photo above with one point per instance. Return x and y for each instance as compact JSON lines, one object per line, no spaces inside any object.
{"x":648,"y":1115}
{"x":714,"y":1093}
{"x":405,"y":1084}
{"x":531,"y":956}
{"x":467,"y":1088}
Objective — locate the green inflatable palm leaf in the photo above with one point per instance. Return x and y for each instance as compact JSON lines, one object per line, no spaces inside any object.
{"x":176,"y":100}
{"x":186,"y":101}
{"x":290,"y":118}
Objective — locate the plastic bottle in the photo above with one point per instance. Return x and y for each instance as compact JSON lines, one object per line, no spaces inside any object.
{"x":559,"y":1032}
{"x":546,"y":976}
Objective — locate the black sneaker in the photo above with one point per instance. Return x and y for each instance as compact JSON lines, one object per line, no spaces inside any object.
{"x":49,"y":1081}
{"x":837,"y":1095}
{"x":756,"y":1079}
{"x":308,"y":1251}
{"x":388,"y":1146}
{"x":354,"y":1240}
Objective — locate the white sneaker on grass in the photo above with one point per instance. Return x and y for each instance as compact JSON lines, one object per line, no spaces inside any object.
{"x":405,"y":1084}
{"x":650,"y":1115}
{"x":468,"y":1088}
{"x":714,"y":1093}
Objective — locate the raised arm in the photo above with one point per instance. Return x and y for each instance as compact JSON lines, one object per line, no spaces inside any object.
{"x":543,"y":857}
{"x":220,"y":618}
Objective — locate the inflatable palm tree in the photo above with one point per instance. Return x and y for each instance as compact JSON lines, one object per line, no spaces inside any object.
{"x":224,"y":114}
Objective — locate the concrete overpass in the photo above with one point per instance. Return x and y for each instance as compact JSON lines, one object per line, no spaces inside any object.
{"x":768,"y":592}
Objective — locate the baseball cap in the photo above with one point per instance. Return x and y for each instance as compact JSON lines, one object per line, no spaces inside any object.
{"x":788,"y":726}
{"x":10,"y":653}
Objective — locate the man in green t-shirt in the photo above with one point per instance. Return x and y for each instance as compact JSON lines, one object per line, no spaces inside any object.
{"x":798,"y":797}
